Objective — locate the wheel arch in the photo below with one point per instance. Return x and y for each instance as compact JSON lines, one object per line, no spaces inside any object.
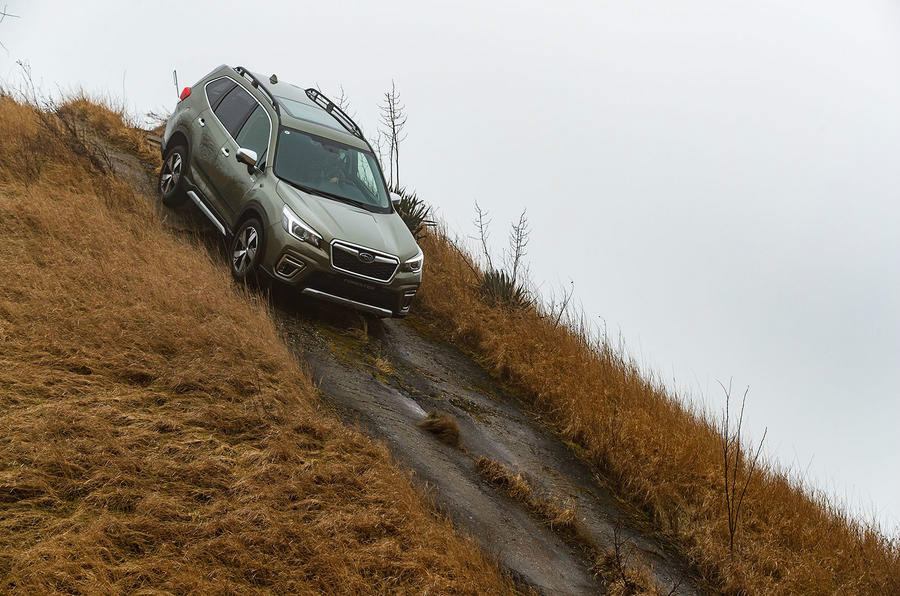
{"x":253,"y":209}
{"x":178,"y":137}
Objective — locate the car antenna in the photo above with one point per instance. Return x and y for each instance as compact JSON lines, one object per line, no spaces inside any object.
{"x":175,"y":78}
{"x":273,"y":79}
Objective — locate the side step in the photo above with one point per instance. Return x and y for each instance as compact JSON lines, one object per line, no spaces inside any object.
{"x":202,"y":206}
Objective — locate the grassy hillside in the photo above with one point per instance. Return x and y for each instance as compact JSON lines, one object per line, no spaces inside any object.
{"x":155,"y":434}
{"x":659,"y":455}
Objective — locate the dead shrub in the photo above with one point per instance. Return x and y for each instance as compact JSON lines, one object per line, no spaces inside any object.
{"x":518,"y":487}
{"x":619,"y":574}
{"x":443,"y":426}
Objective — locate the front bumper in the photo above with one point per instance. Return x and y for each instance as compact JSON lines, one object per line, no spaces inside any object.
{"x":374,"y":310}
{"x":310,"y":270}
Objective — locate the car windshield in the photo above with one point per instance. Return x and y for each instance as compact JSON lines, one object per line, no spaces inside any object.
{"x":331,"y":168}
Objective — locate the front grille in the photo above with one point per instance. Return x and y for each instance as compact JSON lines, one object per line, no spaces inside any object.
{"x":347,"y":258}
{"x":351,"y":289}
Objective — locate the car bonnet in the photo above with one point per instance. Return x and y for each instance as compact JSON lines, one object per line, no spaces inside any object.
{"x":333,"y":219}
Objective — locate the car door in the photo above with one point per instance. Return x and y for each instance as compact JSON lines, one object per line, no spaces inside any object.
{"x":230,"y":115}
{"x":237,"y":178}
{"x":209,"y":135}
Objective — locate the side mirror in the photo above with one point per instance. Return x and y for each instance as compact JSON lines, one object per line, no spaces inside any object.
{"x":395,"y":199}
{"x":247,"y":156}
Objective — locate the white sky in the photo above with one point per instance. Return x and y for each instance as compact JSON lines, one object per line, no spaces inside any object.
{"x":718,"y":177}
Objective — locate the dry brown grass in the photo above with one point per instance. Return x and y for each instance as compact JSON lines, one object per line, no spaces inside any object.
{"x":156,"y":435}
{"x":518,"y":487}
{"x":620,"y":570}
{"x":112,"y":124}
{"x":443,"y":426}
{"x":654,"y":451}
{"x":383,"y":366}
{"x":621,"y":577}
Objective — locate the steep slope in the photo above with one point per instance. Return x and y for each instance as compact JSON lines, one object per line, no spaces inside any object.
{"x":155,"y":433}
{"x":118,"y":385}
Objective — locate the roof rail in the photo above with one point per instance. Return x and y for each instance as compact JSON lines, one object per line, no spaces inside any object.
{"x":255,"y":82}
{"x":336,"y":112}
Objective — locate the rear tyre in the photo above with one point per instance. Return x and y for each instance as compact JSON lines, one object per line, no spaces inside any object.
{"x":171,"y":177}
{"x":247,"y":251}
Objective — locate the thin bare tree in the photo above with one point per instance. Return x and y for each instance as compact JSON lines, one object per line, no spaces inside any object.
{"x":518,"y":245}
{"x":343,"y":102}
{"x":735,"y":462}
{"x":482,"y":222}
{"x":563,"y":304}
{"x":393,"y":121}
{"x":3,"y":15}
{"x":378,"y":143}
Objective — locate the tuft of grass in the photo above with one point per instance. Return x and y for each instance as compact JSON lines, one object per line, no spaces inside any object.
{"x":383,"y":366}
{"x":618,"y":572}
{"x":518,"y":487}
{"x":155,"y":433}
{"x":655,"y":452}
{"x":443,"y":426}
{"x":416,"y":214}
{"x":621,"y":577}
{"x":500,"y":289}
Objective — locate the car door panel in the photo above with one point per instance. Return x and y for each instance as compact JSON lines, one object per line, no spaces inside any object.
{"x":227,"y":174}
{"x":210,"y":135}
{"x":235,"y":177}
{"x":203,"y":156}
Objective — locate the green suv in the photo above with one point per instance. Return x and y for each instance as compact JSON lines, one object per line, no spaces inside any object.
{"x":289,"y":179}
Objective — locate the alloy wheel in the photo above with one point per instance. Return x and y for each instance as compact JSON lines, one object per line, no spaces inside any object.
{"x":245,"y":247}
{"x":171,"y":173}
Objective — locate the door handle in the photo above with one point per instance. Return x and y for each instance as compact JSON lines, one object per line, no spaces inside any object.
{"x":201,"y":121}
{"x":225,"y":151}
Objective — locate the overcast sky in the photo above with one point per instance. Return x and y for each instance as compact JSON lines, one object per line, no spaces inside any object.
{"x":718,"y":178}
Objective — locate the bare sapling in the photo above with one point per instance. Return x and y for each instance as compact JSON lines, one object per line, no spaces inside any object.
{"x":3,"y":15}
{"x":393,"y":120}
{"x":737,"y":468}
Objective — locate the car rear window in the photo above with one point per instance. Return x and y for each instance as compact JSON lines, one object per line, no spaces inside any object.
{"x":234,"y":108}
{"x":217,"y":89}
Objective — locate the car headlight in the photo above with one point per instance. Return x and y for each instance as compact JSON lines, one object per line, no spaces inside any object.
{"x":298,"y":228}
{"x":414,"y":264}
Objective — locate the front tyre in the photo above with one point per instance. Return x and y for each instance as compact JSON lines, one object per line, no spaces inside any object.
{"x":247,"y":251}
{"x":171,"y":177}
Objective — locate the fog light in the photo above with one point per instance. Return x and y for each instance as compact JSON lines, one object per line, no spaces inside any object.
{"x":288,"y":267}
{"x":407,"y":299}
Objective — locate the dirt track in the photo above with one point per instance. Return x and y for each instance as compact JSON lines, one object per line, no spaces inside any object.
{"x":386,"y":376}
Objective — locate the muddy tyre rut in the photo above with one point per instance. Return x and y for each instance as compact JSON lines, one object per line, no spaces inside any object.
{"x":386,"y":377}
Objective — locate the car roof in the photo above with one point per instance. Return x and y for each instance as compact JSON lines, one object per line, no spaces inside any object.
{"x":298,"y":111}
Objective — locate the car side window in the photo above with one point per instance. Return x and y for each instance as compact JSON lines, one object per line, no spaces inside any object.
{"x":216,"y":90}
{"x":255,"y":133}
{"x":234,"y":108}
